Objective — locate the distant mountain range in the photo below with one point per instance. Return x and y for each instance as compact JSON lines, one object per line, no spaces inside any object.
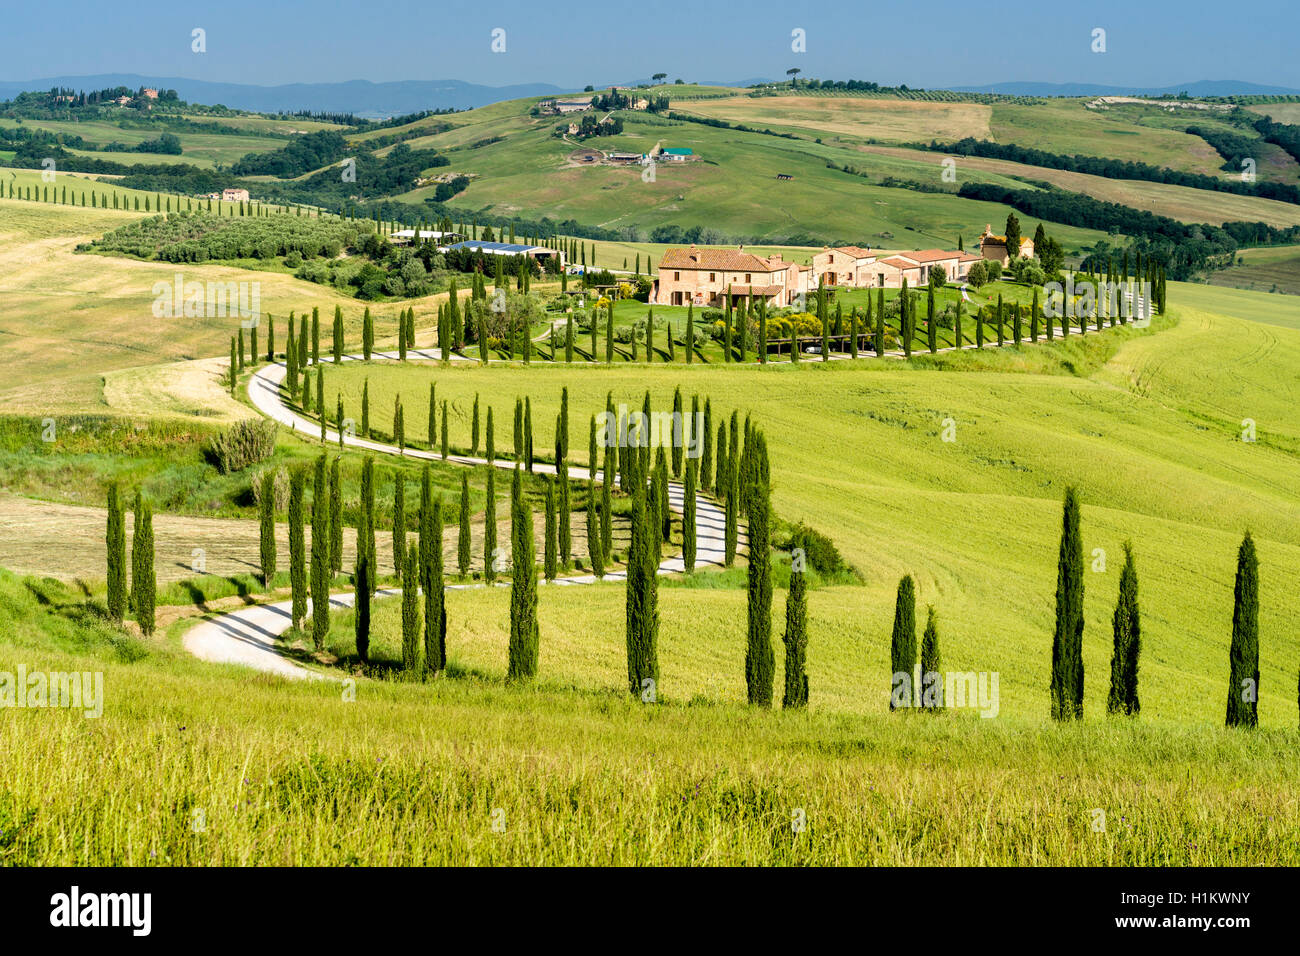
{"x":360,"y":97}
{"x":375,"y":100}
{"x":1199,"y":88}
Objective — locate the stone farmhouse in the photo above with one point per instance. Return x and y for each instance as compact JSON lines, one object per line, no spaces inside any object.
{"x":855,"y":267}
{"x":705,"y":277}
{"x":995,"y":247}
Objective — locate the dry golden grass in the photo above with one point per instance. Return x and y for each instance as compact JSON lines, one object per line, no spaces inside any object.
{"x":903,"y":120}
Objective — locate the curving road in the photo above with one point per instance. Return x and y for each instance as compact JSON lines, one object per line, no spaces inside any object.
{"x":249,"y":636}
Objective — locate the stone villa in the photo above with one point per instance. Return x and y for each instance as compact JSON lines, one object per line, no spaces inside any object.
{"x":705,"y":277}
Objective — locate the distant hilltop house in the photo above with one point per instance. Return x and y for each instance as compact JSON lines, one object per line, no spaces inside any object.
{"x":234,"y":195}
{"x":122,"y":100}
{"x":855,"y":267}
{"x":626,"y":158}
{"x":403,"y":236}
{"x":540,"y":253}
{"x":565,"y":106}
{"x":149,"y":93}
{"x":995,"y":247}
{"x":706,"y":277}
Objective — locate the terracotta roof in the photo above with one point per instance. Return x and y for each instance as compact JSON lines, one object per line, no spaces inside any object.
{"x":855,"y":251}
{"x":930,"y":255}
{"x":967,"y":257}
{"x":755,"y":289}
{"x":722,"y":260}
{"x":898,"y":263}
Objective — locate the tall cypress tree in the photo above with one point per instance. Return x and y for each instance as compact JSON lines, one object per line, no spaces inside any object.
{"x":490,"y":525}
{"x":551,"y":544}
{"x":706,"y":450}
{"x":642,"y":602}
{"x":411,"y":630}
{"x":291,"y":365}
{"x":315,"y":335}
{"x":399,"y":527}
{"x":796,"y":641}
{"x":595,"y":542}
{"x":115,"y":540}
{"x":1067,"y":640}
{"x":320,"y":533}
{"x":338,"y":335}
{"x":1243,"y":658}
{"x":446,"y":442}
{"x":759,"y":660}
{"x":688,"y":519}
{"x":297,"y":548}
{"x":143,"y":582}
{"x":367,"y":334}
{"x":266,"y":525}
{"x":730,"y":519}
{"x":902,"y":646}
{"x":366,"y":524}
{"x":690,"y":333}
{"x":365,"y":408}
{"x":463,"y":539}
{"x":931,"y":331}
{"x":1127,"y":627}
{"x":931,"y":689}
{"x":474,"y":429}
{"x":678,"y":432}
{"x":362,"y":584}
{"x":523,"y":651}
{"x":336,"y":515}
{"x":433,"y":416}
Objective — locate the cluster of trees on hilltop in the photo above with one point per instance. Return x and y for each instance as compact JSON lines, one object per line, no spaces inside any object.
{"x":301,"y":155}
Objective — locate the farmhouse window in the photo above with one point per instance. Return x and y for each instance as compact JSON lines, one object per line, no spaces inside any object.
{"x":712,"y":276}
{"x":676,"y":276}
{"x":748,"y":277}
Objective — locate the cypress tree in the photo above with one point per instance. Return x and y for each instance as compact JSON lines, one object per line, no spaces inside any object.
{"x":979,"y":328}
{"x":609,"y":334}
{"x":523,"y":651}
{"x":957,"y":336}
{"x":291,"y":365}
{"x":315,"y":335}
{"x":762,"y":331}
{"x":902,"y":646}
{"x":490,"y":528}
{"x":607,"y":507}
{"x":679,"y":432}
{"x":399,"y":425}
{"x":445,"y":441}
{"x":297,"y":549}
{"x":518,"y":431}
{"x":266,"y":525}
{"x":336,"y":515}
{"x":399,"y":527}
{"x":759,"y":659}
{"x":474,"y":429}
{"x":551,"y":542}
{"x":338,"y":335}
{"x":690,"y":334}
{"x":143,"y":583}
{"x":721,"y":485}
{"x":320,"y":399}
{"x":528,"y":434}
{"x":853,"y":332}
{"x":1243,"y":659}
{"x":565,"y":517}
{"x":463,"y":540}
{"x":688,"y":519}
{"x":411,"y":630}
{"x":729,"y":554}
{"x":366,"y":524}
{"x":1017,"y":330}
{"x":240,"y":351}
{"x":1067,"y":641}
{"x":365,"y":408}
{"x":931,"y":332}
{"x":320,"y":533}
{"x":433,"y":416}
{"x":568,"y":339}
{"x":1033,"y":318}
{"x":931,"y":690}
{"x":115,"y":539}
{"x":431,"y":579}
{"x":302,"y":342}
{"x":796,"y":642}
{"x":362,"y":584}
{"x":642,"y":602}
{"x":234,"y":367}
{"x":905,"y":319}
{"x":880,"y":320}
{"x":367,"y":334}
{"x":1127,"y":627}
{"x":595,"y":542}
{"x":706,"y":450}
{"x":1001,"y":322}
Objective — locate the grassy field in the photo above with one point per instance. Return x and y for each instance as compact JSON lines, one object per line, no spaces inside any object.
{"x":201,"y":149}
{"x":1273,"y":269}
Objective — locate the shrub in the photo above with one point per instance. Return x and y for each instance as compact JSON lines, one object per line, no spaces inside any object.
{"x":819,"y":550}
{"x":294,"y":259}
{"x":280,"y":489}
{"x":242,"y":444}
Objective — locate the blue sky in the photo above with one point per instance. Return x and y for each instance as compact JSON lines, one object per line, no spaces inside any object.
{"x":932,"y":44}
